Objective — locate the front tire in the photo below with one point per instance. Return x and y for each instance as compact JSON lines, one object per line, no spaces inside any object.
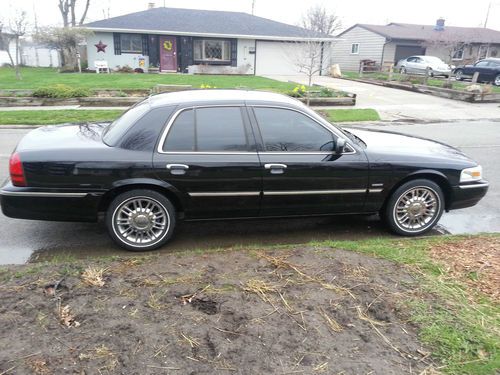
{"x":140,"y":220}
{"x":459,"y":75}
{"x":414,"y":208}
{"x":496,"y":82}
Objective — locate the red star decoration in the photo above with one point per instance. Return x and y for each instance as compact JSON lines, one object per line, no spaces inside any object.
{"x":101,"y":47}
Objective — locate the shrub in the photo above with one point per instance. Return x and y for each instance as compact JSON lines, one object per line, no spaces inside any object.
{"x":61,"y":92}
{"x":138,"y":70}
{"x":297,"y":92}
{"x":326,"y":92}
{"x":124,"y":69}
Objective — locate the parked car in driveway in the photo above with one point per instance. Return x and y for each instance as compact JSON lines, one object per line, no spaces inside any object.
{"x":420,"y":64}
{"x":488,"y":69}
{"x":218,"y":154}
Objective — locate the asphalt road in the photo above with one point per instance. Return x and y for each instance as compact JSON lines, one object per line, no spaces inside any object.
{"x":24,"y":240}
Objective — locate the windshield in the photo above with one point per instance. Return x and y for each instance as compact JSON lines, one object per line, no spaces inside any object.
{"x":115,"y":131}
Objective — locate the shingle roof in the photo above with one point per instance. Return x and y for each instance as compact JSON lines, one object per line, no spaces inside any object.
{"x":194,"y":21}
{"x":427,"y":32}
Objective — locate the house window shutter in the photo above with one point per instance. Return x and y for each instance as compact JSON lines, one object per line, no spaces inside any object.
{"x":145,"y":45}
{"x":234,"y":52}
{"x":117,"y":43}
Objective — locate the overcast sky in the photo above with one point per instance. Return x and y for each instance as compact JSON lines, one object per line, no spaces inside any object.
{"x":456,"y":13}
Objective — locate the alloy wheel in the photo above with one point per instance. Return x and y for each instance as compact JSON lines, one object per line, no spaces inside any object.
{"x":416,"y":209}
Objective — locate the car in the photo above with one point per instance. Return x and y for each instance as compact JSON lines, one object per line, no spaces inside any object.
{"x":231,"y":154}
{"x":488,"y":69}
{"x":420,"y":64}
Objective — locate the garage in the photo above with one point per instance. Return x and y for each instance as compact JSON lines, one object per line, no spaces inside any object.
{"x":402,"y":52}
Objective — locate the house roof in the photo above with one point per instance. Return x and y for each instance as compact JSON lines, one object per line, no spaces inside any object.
{"x":410,"y":31}
{"x":177,"y":21}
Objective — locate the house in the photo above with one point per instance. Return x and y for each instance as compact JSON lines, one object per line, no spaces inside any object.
{"x":29,"y":54}
{"x":395,"y":41}
{"x":202,"y":41}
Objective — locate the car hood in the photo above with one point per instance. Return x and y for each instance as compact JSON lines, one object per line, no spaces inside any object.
{"x":70,"y":136}
{"x":397,"y":144}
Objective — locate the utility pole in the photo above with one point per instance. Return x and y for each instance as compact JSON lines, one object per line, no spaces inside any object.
{"x":487,"y":15}
{"x":253,"y":6}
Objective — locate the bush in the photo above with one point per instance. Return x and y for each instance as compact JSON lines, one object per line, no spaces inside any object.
{"x":326,"y":92}
{"x":61,"y":92}
{"x":124,"y":69}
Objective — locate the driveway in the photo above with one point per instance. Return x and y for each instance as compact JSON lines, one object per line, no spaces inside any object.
{"x":394,"y":104}
{"x":23,"y":240}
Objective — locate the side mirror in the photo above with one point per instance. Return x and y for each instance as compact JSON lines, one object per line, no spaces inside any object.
{"x":339,"y":147}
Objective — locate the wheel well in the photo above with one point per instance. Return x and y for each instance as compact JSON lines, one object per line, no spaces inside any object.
{"x":110,"y":195}
{"x":442,"y":182}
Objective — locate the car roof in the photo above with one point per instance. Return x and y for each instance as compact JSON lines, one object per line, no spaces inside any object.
{"x":214,"y":96}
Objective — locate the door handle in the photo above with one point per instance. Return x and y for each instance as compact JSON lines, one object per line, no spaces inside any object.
{"x":276,"y":168}
{"x":177,"y":169}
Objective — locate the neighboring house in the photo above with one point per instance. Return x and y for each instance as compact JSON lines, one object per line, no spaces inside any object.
{"x":395,"y":41}
{"x":29,"y":54}
{"x":202,"y":41}
{"x":4,"y":56}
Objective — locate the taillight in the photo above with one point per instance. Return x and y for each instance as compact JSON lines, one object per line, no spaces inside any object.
{"x":16,"y":170}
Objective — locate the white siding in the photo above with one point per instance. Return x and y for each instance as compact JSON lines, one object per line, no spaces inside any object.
{"x":246,"y":60}
{"x":282,"y":58}
{"x":40,"y":56}
{"x":4,"y":57}
{"x":370,"y":47}
{"x":114,"y":61}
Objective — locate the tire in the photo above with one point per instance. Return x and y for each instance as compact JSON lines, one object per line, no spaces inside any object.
{"x":496,"y":81}
{"x":140,"y":220}
{"x":459,"y":75}
{"x":414,"y":207}
{"x":402,"y":70}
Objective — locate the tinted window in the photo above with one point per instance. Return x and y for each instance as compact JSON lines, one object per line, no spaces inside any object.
{"x":115,"y":131}
{"x":482,"y":64}
{"x":287,"y":130}
{"x":208,"y":129}
{"x":181,"y":134}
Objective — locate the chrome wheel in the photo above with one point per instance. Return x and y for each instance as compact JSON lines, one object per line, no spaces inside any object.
{"x":416,"y":209}
{"x":141,"y":221}
{"x":459,"y":75}
{"x":497,"y":80}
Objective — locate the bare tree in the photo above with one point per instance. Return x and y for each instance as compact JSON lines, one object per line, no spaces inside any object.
{"x":17,"y":29}
{"x":319,"y":20}
{"x":67,"y":8}
{"x":450,"y":43}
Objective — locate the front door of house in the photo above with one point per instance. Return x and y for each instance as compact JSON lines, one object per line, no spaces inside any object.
{"x":168,"y":53}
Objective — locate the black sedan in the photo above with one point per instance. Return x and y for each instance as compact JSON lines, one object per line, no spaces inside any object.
{"x":218,"y":154}
{"x":488,"y":69}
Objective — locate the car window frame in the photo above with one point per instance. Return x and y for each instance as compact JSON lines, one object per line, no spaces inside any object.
{"x":251,"y":142}
{"x":260,"y":140}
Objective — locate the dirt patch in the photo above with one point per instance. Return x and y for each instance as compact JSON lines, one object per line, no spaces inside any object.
{"x":473,"y":261}
{"x":302,"y":310}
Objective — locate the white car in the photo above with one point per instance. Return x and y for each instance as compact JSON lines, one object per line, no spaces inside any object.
{"x":419,"y":65}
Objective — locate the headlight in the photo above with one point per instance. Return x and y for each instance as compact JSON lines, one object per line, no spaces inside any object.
{"x":471,"y":174}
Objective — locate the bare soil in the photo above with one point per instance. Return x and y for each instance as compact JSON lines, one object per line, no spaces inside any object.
{"x":291,"y":311}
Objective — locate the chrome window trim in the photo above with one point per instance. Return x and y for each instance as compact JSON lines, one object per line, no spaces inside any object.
{"x":179,"y":111}
{"x":41,"y":194}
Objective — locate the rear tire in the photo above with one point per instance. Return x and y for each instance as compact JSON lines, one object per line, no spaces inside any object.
{"x":459,"y":75}
{"x":414,"y":208}
{"x":496,"y":82}
{"x":140,"y":220}
{"x":402,"y":70}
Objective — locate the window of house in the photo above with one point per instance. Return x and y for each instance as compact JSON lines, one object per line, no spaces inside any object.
{"x":212,"y":50}
{"x":355,"y":48}
{"x":208,"y":130}
{"x":458,"y":54}
{"x":287,"y":130}
{"x":131,"y":43}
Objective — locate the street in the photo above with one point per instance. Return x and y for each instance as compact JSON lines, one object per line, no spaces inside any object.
{"x":24,"y":240}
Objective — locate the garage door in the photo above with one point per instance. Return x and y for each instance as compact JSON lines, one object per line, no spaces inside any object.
{"x":276,"y":58}
{"x":402,"y":52}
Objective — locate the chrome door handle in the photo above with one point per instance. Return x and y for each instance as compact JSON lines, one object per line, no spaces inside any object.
{"x":177,"y":169}
{"x":276,"y":168}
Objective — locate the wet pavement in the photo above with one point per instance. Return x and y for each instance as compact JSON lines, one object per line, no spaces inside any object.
{"x":24,"y":240}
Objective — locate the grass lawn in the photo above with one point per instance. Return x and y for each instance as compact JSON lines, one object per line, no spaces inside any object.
{"x":431,"y":82}
{"x":42,"y":117}
{"x":34,"y":78}
{"x":346,"y":115}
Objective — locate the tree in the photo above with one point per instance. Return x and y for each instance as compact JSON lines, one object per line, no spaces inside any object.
{"x":317,"y":19}
{"x":17,"y":29}
{"x":67,"y":8}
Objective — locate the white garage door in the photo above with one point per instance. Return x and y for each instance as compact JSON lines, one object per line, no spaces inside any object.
{"x":276,"y":58}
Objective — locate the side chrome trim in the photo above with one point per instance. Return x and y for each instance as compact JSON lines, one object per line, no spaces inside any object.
{"x":375,"y":190}
{"x":316,"y":192}
{"x":226,"y":194}
{"x":474,"y":186}
{"x":41,"y":194}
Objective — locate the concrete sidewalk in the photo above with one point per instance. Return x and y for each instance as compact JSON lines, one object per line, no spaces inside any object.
{"x":394,"y":104}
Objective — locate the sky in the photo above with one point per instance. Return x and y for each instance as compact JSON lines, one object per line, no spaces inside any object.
{"x":289,"y":11}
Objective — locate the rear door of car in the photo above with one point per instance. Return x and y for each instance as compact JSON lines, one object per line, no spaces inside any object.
{"x":208,"y":154}
{"x":301,"y":173}
{"x":484,"y":69}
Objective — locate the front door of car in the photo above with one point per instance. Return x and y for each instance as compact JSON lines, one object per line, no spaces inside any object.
{"x":302,"y":175}
{"x":208,"y":155}
{"x":411,"y":64}
{"x":485,"y":71}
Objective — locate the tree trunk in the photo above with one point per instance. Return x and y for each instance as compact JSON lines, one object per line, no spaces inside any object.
{"x":14,"y":65}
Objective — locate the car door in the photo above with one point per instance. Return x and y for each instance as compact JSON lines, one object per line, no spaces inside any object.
{"x":484,"y":70}
{"x":208,"y":155}
{"x":410,"y":64}
{"x":420,"y":65}
{"x":301,"y":173}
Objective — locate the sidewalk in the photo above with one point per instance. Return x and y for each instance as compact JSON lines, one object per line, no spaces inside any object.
{"x":394,"y":104}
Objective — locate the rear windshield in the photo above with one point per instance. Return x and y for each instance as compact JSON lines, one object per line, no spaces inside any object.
{"x":115,"y":131}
